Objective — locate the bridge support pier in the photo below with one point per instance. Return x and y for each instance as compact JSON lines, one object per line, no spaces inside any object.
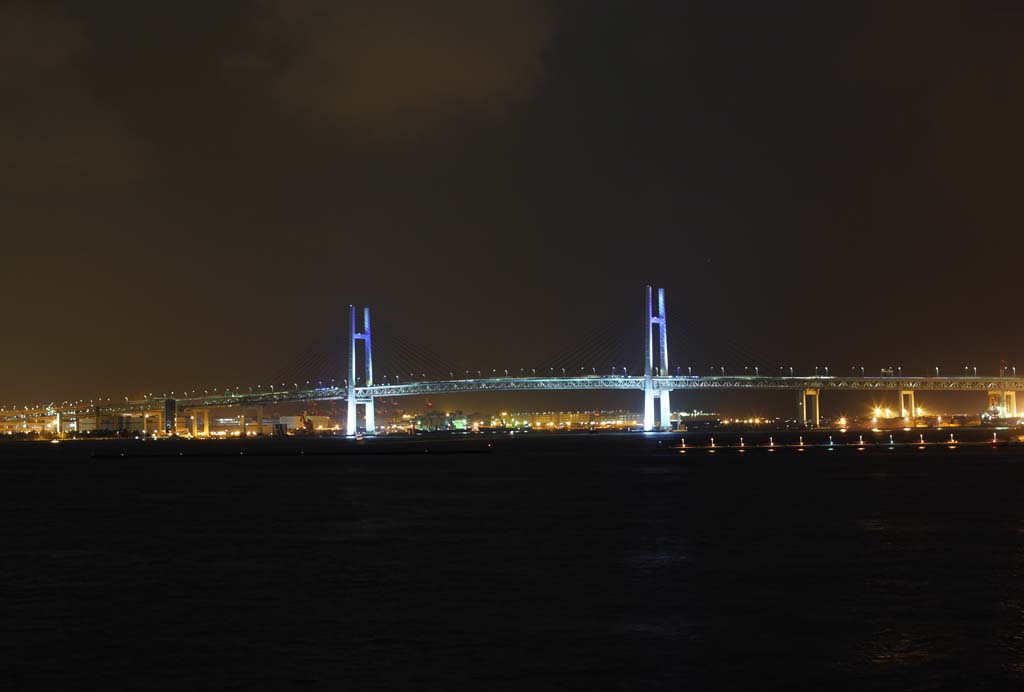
{"x":241,"y":425}
{"x":648,"y":409}
{"x":908,"y":409}
{"x":170,"y":413}
{"x":351,"y":427}
{"x":813,"y":406}
{"x":350,"y":418}
{"x":205,"y":412}
{"x":370,"y":417}
{"x":650,"y":392}
{"x":665,"y":415}
{"x":259,"y":421}
{"x":1005,"y":402}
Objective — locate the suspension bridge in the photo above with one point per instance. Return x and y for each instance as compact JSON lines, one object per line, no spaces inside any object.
{"x":655,"y":384}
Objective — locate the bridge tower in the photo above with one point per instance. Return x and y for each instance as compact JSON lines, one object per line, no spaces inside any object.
{"x":650,"y":393}
{"x":353,"y":337}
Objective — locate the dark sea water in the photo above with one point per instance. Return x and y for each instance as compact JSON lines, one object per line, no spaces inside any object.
{"x":572,"y":563}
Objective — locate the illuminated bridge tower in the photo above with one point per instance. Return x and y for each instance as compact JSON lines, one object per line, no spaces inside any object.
{"x":650,"y":393}
{"x":353,"y":337}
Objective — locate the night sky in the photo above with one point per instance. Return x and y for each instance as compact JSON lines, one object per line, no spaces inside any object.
{"x":193,"y":192}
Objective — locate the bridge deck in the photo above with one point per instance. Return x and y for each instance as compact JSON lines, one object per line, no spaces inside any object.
{"x":510,"y":384}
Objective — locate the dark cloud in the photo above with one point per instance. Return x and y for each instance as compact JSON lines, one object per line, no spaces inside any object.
{"x":55,"y":137}
{"x":977,"y":143}
{"x":389,"y":66}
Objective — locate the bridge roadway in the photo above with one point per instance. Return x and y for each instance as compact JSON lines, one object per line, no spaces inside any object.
{"x":532,"y":384}
{"x":230,"y":399}
{"x":506,"y":384}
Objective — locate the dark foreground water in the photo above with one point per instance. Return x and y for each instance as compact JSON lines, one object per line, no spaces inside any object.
{"x":566,"y":564}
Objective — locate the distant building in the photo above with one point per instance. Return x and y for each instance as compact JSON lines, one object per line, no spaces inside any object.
{"x":304,"y":422}
{"x":568,"y":420}
{"x":96,"y":422}
{"x":563,"y":420}
{"x":436,"y":421}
